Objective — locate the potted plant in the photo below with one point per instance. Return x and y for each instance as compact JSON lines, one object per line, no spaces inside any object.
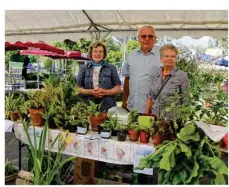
{"x":145,"y":127}
{"x":133,"y":125}
{"x":161,"y":132}
{"x":36,"y":105}
{"x":82,"y":123}
{"x":121,"y":130}
{"x":95,"y":116}
{"x":113,"y":120}
{"x":192,"y":151}
{"x":70,"y":123}
{"x":55,"y":116}
{"x":11,"y":172}
{"x":53,"y":166}
{"x":133,"y":131}
{"x":13,"y":105}
{"x":106,"y":128}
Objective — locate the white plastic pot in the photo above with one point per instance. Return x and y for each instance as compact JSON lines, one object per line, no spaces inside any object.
{"x":81,"y":130}
{"x":105,"y":134}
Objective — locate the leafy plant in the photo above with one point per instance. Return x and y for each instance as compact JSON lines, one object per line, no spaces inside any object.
{"x":70,"y":91}
{"x":178,"y":110}
{"x":110,"y":123}
{"x":94,"y":109}
{"x":38,"y":154}
{"x":53,"y":80}
{"x":217,"y":113}
{"x":132,"y":117}
{"x":13,"y":103}
{"x":134,"y":126}
{"x":9,"y":168}
{"x":120,"y":126}
{"x":187,"y":159}
{"x":37,"y":99}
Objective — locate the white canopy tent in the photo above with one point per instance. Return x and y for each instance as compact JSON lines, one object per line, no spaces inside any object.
{"x":49,"y":25}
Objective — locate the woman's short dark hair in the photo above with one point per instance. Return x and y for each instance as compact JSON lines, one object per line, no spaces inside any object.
{"x":95,"y":45}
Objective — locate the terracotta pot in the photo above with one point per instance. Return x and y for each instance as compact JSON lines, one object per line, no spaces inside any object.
{"x":144,"y":137}
{"x":14,"y":116}
{"x":37,"y":118}
{"x":158,"y":139}
{"x":133,"y":135}
{"x":97,"y":120}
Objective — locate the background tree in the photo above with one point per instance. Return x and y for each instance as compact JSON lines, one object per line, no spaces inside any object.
{"x":132,"y":45}
{"x":223,"y":44}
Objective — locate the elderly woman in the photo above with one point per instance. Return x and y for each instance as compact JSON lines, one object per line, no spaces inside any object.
{"x":168,"y":81}
{"x":98,"y":80}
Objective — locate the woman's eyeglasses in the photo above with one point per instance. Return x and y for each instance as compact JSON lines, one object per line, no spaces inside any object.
{"x":149,"y":36}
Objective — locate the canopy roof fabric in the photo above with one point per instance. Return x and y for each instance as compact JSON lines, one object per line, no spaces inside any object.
{"x":48,"y":25}
{"x":77,"y":55}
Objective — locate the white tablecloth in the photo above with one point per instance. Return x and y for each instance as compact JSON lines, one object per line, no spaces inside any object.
{"x":91,"y":146}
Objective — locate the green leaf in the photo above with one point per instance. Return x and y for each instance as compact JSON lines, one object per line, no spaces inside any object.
{"x":180,"y":177}
{"x":166,"y":177}
{"x":38,"y":164}
{"x":194,"y":172}
{"x":185,"y":149}
{"x":168,"y":160}
{"x":217,"y":164}
{"x":161,"y":176}
{"x":220,"y":179}
{"x":188,"y":133}
{"x":144,"y":163}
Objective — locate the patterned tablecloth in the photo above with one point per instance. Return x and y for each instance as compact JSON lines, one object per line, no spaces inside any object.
{"x":91,"y":146}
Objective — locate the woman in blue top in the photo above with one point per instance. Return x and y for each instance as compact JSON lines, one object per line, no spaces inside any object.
{"x":98,"y":80}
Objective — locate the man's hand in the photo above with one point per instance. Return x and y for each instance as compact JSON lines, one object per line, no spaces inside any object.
{"x":102,"y":92}
{"x":95,"y":92}
{"x":124,"y":104}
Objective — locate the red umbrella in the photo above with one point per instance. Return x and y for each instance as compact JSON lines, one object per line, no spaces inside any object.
{"x":9,"y":46}
{"x":37,"y":45}
{"x":41,"y":53}
{"x":76,"y":55}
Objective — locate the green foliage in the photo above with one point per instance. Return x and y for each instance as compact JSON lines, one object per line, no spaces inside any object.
{"x":217,"y":113}
{"x":70,"y":90}
{"x":53,"y":80}
{"x":13,"y":103}
{"x":80,"y":113}
{"x":37,"y":99}
{"x":94,"y":109}
{"x":120,"y":126}
{"x":9,"y":168}
{"x":41,"y":177}
{"x":108,"y":124}
{"x":187,"y":159}
{"x":132,"y":45}
{"x":203,"y":84}
{"x":223,"y":44}
{"x":134,"y":126}
{"x":132,"y":117}
{"x":114,"y":56}
{"x":47,"y":62}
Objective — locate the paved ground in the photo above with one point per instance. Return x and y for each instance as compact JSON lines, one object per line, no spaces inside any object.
{"x":11,"y":150}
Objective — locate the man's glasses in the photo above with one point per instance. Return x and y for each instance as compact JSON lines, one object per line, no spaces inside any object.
{"x":149,"y":36}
